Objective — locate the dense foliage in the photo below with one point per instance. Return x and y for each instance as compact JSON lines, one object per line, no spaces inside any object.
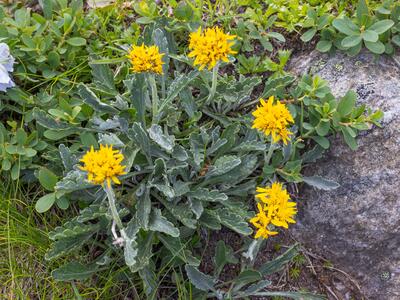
{"x":191,"y":153}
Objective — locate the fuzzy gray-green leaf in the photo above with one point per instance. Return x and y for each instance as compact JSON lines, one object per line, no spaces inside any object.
{"x":178,"y":249}
{"x":167,"y":142}
{"x":279,"y":262}
{"x":48,"y":122}
{"x":204,"y":194}
{"x":200,"y":280}
{"x":103,"y":77}
{"x":74,"y":271}
{"x":160,"y":223}
{"x":176,"y":86}
{"x":131,"y":246}
{"x":234,"y":221}
{"x":143,"y":207}
{"x":321,"y":183}
{"x":139,"y":136}
{"x":223,"y":165}
{"x":92,"y":100}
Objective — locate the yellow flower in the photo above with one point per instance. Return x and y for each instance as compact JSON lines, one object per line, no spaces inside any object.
{"x":103,"y":165}
{"x":274,"y":208}
{"x":210,"y":46}
{"x":261,"y":222}
{"x":273,"y":119}
{"x":146,"y":59}
{"x":277,"y":205}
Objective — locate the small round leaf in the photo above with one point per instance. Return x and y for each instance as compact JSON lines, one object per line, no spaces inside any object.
{"x":351,"y":41}
{"x":47,"y":179}
{"x":45,"y":203}
{"x":377,"y":48}
{"x":370,"y":36}
{"x":76,"y":41}
{"x":324,"y":46}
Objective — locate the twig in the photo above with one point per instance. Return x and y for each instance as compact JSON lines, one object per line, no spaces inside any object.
{"x":345,"y":274}
{"x":311,"y":265}
{"x":330,"y":291}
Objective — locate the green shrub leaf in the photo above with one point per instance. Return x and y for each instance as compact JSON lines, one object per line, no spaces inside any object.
{"x":308,"y":35}
{"x":377,"y":48}
{"x":45,"y":203}
{"x":324,"y":46}
{"x":370,"y":36}
{"x":346,"y":26}
{"x":381,"y":26}
{"x":47,"y":179}
{"x":76,"y":41}
{"x":351,"y":41}
{"x":346,"y":104}
{"x":177,"y":249}
{"x":143,"y":206}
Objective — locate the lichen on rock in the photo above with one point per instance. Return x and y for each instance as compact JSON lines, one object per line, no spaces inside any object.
{"x":357,"y":226}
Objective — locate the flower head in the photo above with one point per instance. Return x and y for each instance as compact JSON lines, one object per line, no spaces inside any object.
{"x":274,"y":208}
{"x":6,"y":66}
{"x":261,"y":221}
{"x":146,"y":59}
{"x":210,"y":46}
{"x":103,"y":165}
{"x":273,"y":119}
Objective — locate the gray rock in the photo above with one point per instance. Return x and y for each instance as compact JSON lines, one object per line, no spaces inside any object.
{"x":357,"y":226}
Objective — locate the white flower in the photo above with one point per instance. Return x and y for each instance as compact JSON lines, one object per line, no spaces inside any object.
{"x":6,"y":66}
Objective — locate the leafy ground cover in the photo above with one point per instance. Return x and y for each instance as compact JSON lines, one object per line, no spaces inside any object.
{"x":195,"y":139}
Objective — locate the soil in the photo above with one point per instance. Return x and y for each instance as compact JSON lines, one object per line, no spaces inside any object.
{"x":311,"y":272}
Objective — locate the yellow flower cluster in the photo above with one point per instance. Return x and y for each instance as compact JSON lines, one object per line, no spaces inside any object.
{"x":210,"y":46}
{"x":146,"y":59}
{"x":103,"y":165}
{"x":273,"y":119}
{"x":274,"y":208}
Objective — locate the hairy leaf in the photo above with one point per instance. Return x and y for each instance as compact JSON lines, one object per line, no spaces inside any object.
{"x":74,"y":271}
{"x":65,"y":246}
{"x":233,"y":221}
{"x":321,"y":183}
{"x":160,"y":223}
{"x":204,"y":194}
{"x":279,"y":262}
{"x":91,"y":99}
{"x":177,"y":249}
{"x":200,"y":280}
{"x":143,"y":206}
{"x":176,"y":86}
{"x":165,"y":141}
{"x":223,"y":165}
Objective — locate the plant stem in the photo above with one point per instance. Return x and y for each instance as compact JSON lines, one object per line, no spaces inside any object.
{"x":213,"y":84}
{"x":270,"y":152}
{"x":301,"y":117}
{"x":114,"y":213}
{"x":154,"y":97}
